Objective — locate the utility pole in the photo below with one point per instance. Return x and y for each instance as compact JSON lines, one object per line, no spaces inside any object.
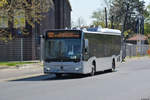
{"x":106,"y":24}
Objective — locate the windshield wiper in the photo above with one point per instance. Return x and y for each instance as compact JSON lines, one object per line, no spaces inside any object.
{"x":57,"y":59}
{"x":62,"y":59}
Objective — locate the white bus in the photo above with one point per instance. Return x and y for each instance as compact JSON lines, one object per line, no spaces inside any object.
{"x":80,"y":51}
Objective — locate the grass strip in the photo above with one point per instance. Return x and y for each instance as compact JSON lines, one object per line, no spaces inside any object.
{"x":14,"y":63}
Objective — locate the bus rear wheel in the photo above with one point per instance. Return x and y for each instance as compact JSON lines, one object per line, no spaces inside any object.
{"x":113,"y":66}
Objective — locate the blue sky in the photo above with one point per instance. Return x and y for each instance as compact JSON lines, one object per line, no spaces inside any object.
{"x":84,"y":9}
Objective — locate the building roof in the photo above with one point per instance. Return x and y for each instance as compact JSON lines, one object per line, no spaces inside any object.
{"x":137,"y":37}
{"x":69,"y":4}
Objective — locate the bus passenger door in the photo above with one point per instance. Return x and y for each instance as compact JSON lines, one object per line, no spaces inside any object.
{"x":42,"y":45}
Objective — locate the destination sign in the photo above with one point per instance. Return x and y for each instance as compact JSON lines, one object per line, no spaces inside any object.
{"x":63,"y":35}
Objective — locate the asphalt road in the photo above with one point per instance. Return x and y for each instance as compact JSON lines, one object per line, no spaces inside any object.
{"x":131,"y":81}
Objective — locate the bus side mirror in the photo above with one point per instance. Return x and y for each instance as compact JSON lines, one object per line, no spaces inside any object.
{"x":42,"y":36}
{"x":86,"y":46}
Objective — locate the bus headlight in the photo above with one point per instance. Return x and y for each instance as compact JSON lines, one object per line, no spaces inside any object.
{"x":77,"y":69}
{"x":48,"y":69}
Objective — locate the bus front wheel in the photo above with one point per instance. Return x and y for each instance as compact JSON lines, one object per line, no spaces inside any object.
{"x":92,"y":72}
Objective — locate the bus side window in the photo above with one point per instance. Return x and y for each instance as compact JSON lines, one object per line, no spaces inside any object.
{"x":86,"y":46}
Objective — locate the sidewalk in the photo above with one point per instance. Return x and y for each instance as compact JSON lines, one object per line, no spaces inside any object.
{"x":129,"y":59}
{"x":9,"y":73}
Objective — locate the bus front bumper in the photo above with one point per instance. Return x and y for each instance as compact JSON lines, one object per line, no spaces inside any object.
{"x":63,"y":69}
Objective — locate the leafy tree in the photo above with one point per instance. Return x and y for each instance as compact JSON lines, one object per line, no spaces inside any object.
{"x":147,"y":28}
{"x":16,"y":14}
{"x":147,"y":14}
{"x":126,"y":8}
{"x":2,"y":2}
{"x":99,"y":18}
{"x":147,"y":21}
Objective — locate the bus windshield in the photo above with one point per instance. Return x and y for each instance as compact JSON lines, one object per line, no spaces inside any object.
{"x":63,"y":50}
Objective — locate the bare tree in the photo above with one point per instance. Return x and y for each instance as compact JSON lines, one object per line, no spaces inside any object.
{"x":80,"y":22}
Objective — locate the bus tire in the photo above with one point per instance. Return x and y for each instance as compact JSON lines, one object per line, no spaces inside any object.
{"x":113,"y":65}
{"x":92,"y":72}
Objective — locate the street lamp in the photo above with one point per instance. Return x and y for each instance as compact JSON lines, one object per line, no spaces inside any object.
{"x":140,"y":30}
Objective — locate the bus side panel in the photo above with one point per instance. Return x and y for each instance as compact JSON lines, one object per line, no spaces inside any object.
{"x":103,"y":63}
{"x":86,"y":67}
{"x":103,"y":47}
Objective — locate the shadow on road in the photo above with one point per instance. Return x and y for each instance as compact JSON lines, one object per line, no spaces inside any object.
{"x":32,"y":78}
{"x":48,"y":78}
{"x":54,"y":78}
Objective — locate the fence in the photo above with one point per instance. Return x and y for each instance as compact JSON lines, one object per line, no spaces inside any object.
{"x":135,"y":50}
{"x":29,"y":49}
{"x":20,"y":49}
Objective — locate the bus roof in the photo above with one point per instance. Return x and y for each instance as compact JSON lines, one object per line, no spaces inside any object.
{"x":100,"y":31}
{"x":104,"y":31}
